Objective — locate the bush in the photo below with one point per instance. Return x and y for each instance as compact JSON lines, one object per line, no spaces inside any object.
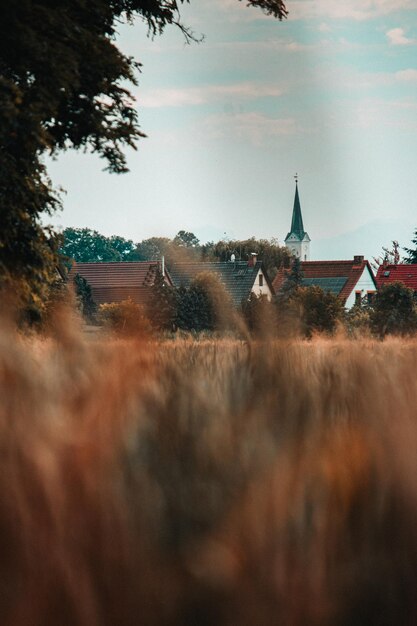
{"x":260,"y":315}
{"x":125,"y":318}
{"x":320,"y":310}
{"x":204,"y":305}
{"x":394,"y":311}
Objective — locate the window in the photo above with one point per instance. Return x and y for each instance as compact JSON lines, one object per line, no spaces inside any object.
{"x":261,"y":280}
{"x":370,"y":296}
{"x":358,"y":297}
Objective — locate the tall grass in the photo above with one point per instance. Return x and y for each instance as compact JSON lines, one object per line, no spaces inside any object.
{"x":211,"y":483}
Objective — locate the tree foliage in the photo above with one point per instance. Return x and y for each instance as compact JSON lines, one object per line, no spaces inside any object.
{"x":260,"y":316}
{"x":63,"y":84}
{"x":162,"y":306}
{"x":185,"y":239}
{"x":292,"y":281}
{"x":412,"y":252}
{"x":84,"y":295}
{"x":124,"y":318}
{"x":394,"y":310}
{"x":320,"y":310}
{"x":272,"y":254}
{"x":204,"y":305}
{"x":84,"y":245}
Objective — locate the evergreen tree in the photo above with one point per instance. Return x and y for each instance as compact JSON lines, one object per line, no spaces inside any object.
{"x":412,"y":252}
{"x":85,"y":298}
{"x":293,"y":281}
{"x":162,"y":304}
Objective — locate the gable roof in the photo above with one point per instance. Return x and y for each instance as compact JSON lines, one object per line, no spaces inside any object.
{"x":115,"y":282}
{"x":238,"y":277}
{"x":403,"y":272}
{"x":339,"y":277}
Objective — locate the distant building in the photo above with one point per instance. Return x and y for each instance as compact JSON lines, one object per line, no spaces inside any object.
{"x":115,"y":282}
{"x":401,"y":272}
{"x":240,"y":278}
{"x":297,"y":241}
{"x":349,"y":280}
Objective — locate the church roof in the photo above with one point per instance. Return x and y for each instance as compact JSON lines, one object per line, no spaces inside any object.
{"x":297,"y":226}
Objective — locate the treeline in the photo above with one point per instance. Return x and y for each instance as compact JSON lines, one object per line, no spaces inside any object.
{"x":89,"y":246}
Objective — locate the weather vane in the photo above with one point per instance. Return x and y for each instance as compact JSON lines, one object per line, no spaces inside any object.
{"x":296,"y":178}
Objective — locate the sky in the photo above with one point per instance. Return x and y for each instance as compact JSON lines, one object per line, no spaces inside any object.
{"x":330,"y":94}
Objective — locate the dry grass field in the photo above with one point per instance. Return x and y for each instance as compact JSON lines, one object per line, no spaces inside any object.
{"x":207,"y":483}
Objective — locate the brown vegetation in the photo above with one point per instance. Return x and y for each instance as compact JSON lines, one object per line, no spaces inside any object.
{"x":212,"y":483}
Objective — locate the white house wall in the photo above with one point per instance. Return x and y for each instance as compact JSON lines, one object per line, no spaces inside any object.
{"x":364,"y":284}
{"x":263,"y":290}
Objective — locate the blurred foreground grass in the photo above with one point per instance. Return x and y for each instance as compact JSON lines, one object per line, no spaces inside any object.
{"x":210,"y":483}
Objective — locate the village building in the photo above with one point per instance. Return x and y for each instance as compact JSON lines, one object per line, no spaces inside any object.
{"x":398,"y":272}
{"x":119,"y":281}
{"x":240,"y":278}
{"x":350,"y":280}
{"x":297,"y":241}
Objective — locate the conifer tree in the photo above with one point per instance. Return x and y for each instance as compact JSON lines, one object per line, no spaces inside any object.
{"x":412,"y":252}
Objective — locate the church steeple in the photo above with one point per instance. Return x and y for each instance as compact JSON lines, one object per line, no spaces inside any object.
{"x":297,"y":240}
{"x":297,"y":226}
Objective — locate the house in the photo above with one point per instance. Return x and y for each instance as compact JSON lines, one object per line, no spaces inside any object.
{"x":115,"y":282}
{"x":349,"y":280}
{"x":401,"y":272}
{"x":297,"y":241}
{"x":240,"y":278}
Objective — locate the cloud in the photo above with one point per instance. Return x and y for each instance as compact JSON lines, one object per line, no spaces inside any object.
{"x":324,"y":28}
{"x":251,"y":126}
{"x":206,"y":94}
{"x":358,"y":10}
{"x":396,"y":37}
{"x":408,"y":76}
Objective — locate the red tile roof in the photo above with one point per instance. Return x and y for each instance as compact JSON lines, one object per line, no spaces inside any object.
{"x":405,"y":273}
{"x":351,"y":270}
{"x":115,"y":282}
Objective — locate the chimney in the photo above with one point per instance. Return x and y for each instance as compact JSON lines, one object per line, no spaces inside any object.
{"x":358,"y":259}
{"x":163,"y":266}
{"x":252,"y":259}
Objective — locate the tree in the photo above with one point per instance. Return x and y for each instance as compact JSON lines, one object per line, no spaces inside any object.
{"x":412,"y":252}
{"x":63,"y":85}
{"x":292,"y":282}
{"x":162,"y":306}
{"x":394,"y":310}
{"x":272,"y":254}
{"x":124,"y":318}
{"x":260,"y":315}
{"x":320,"y":310}
{"x":154,"y":248}
{"x":204,"y":305}
{"x":185,"y":239}
{"x":84,"y":295}
{"x":89,"y":246}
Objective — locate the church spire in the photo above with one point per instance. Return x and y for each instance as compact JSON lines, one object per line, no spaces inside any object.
{"x":297,"y":240}
{"x":297,"y":226}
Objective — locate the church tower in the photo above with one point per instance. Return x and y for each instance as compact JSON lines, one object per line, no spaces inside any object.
{"x":297,"y":240}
